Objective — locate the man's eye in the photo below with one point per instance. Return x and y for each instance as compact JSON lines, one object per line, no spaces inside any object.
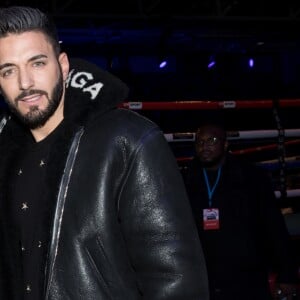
{"x":5,"y":73}
{"x":212,"y":140}
{"x":209,"y":141}
{"x":39,"y":63}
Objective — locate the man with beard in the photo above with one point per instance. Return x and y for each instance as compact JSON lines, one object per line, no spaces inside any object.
{"x":242,"y":230}
{"x":92,"y":204}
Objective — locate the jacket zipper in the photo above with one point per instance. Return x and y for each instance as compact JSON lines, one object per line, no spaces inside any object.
{"x":59,"y":210}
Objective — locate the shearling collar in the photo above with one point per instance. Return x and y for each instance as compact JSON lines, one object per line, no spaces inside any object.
{"x":91,"y":89}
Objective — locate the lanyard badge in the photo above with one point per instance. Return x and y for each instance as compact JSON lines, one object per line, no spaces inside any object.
{"x":211,"y":215}
{"x":211,"y":218}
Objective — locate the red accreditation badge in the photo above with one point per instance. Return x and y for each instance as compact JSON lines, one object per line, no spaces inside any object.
{"x":211,"y":219}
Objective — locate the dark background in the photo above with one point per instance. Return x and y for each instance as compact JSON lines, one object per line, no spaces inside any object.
{"x":128,"y":38}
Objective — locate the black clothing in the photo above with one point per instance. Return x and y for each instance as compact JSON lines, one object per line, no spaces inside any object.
{"x":31,"y":209}
{"x":121,"y":226}
{"x":252,"y":237}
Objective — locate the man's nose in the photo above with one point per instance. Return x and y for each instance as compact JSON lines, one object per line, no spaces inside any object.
{"x":25,"y":79}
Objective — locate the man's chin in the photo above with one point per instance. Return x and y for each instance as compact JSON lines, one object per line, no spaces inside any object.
{"x":34,"y":120}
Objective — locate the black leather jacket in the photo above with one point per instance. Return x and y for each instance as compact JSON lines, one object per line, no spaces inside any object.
{"x":122,"y":225}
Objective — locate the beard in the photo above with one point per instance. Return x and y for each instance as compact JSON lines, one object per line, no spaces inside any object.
{"x":37,"y":118}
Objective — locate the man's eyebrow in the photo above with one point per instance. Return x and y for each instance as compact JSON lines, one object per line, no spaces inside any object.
{"x":38,"y":57}
{"x":6,"y":65}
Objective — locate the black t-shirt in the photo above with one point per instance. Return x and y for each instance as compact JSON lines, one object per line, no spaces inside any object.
{"x":31,"y":210}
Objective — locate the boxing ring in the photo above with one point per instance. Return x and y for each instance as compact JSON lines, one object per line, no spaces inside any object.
{"x":210,"y":104}
{"x":278,"y":139}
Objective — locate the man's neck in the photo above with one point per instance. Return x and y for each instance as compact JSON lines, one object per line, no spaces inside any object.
{"x":212,"y":168}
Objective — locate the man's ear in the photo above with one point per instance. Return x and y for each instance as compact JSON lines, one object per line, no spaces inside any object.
{"x":65,"y":65}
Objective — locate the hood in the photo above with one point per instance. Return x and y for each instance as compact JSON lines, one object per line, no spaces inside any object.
{"x":90,"y":87}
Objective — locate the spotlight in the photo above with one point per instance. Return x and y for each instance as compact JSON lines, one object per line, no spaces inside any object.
{"x":251,"y":62}
{"x":163,"y":63}
{"x":211,"y":62}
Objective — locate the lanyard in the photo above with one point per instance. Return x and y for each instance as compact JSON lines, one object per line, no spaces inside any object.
{"x":210,"y":190}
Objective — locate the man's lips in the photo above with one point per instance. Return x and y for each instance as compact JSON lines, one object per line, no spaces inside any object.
{"x":31,"y":98}
{"x":206,"y":153}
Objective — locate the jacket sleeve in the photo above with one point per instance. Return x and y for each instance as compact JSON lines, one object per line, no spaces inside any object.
{"x":158,"y":225}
